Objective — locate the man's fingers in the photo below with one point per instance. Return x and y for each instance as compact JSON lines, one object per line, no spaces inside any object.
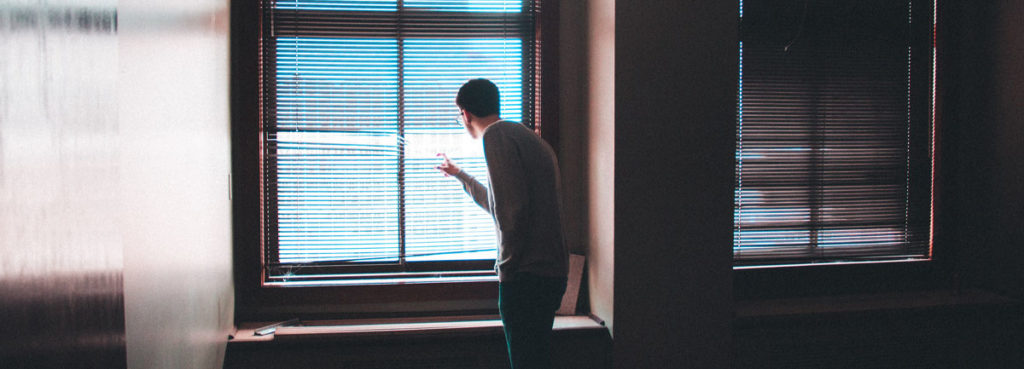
{"x":442,"y":169}
{"x":446,"y":166}
{"x":446,"y":161}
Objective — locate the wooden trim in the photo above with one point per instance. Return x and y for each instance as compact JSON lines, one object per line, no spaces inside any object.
{"x":364,"y":329}
{"x":861,"y":303}
{"x":837,"y":279}
{"x":547,"y":36}
{"x":368,"y":301}
{"x":245,"y":149}
{"x":944,"y":35}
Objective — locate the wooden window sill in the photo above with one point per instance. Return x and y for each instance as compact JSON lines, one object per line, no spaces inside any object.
{"x":375,"y":329}
{"x":863,"y":303}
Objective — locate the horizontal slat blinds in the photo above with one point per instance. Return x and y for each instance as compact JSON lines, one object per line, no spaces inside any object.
{"x":466,"y":6}
{"x":434,"y":71}
{"x":339,"y":5}
{"x":359,"y":97}
{"x":834,"y":129}
{"x":337,"y":149}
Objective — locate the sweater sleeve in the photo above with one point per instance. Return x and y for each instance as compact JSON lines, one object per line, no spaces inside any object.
{"x":508,"y":194}
{"x":475,"y":190}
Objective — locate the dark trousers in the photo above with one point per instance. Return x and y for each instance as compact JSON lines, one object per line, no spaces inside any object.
{"x":527,"y":304}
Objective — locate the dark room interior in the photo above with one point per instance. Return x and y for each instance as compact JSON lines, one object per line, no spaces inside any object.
{"x":132,"y":201}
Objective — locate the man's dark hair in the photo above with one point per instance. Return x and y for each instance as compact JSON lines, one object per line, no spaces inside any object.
{"x":479,"y":97}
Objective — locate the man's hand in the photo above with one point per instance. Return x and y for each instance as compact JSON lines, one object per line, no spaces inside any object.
{"x":447,"y":167}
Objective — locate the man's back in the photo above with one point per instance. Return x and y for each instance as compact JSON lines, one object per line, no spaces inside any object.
{"x":524,"y":200}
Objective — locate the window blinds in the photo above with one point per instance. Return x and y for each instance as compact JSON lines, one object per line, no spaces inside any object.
{"x":358,"y":99}
{"x":833,"y":159}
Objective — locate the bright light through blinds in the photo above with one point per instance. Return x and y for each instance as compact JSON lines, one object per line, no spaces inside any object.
{"x":339,"y":5}
{"x":442,"y":223}
{"x":359,"y":122}
{"x":506,"y":6}
{"x":338,"y":149}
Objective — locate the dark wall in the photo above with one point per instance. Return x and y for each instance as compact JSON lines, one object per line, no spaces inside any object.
{"x":675,"y":111}
{"x":981,"y":178}
{"x":978,"y":227}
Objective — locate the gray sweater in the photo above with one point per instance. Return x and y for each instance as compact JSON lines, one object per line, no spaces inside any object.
{"x":523,"y":198}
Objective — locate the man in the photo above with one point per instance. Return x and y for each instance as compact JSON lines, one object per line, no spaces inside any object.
{"x":523,"y":198}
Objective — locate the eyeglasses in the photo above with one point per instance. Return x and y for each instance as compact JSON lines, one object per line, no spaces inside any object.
{"x":459,"y":120}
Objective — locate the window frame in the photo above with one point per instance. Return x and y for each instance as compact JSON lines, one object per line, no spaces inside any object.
{"x":256,"y":299}
{"x":404,"y":25}
{"x":920,"y":118}
{"x":940,"y":271}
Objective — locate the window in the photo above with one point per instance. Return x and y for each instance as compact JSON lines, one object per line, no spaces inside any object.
{"x":357,"y":100}
{"x":834,"y":149}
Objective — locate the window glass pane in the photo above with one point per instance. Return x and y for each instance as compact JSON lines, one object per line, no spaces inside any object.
{"x":337,"y":197}
{"x":347,"y":5}
{"x":435,"y":69}
{"x":491,"y":6}
{"x":442,"y":222}
{"x":337,"y":84}
{"x":832,"y":132}
{"x":337,"y":150}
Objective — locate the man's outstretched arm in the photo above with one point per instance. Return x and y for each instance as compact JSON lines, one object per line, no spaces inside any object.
{"x":473,"y":187}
